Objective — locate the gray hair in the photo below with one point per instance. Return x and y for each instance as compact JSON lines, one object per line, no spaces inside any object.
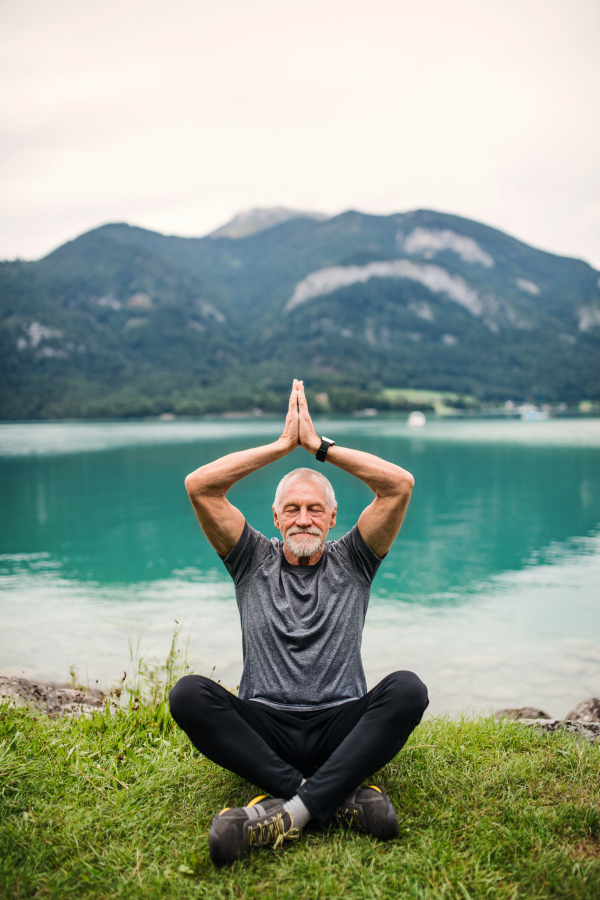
{"x":306,"y":475}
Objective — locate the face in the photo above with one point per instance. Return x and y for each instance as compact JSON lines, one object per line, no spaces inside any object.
{"x":304,"y":517}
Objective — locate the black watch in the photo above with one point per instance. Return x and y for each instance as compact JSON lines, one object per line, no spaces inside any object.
{"x":326,"y":443}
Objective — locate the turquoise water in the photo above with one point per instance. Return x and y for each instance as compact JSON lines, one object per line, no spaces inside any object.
{"x":491,"y":593}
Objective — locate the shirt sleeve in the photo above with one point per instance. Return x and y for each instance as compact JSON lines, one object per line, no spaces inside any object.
{"x":247,"y":554}
{"x":364,"y":560}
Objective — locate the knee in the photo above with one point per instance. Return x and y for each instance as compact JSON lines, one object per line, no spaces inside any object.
{"x":408,"y":691}
{"x":188,"y":695}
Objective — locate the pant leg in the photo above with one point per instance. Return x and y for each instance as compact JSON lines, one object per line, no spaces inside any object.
{"x":390,"y":712}
{"x":219,"y":725}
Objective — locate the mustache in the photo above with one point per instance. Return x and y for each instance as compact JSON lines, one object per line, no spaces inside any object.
{"x":310,"y":530}
{"x":304,"y":548}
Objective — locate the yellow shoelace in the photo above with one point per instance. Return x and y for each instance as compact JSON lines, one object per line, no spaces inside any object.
{"x":272,"y":832}
{"x":348,"y":818}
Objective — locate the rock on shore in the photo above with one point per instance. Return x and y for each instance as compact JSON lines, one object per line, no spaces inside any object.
{"x":586,"y":711}
{"x":584,"y":720}
{"x":525,"y":712}
{"x":50,"y":697}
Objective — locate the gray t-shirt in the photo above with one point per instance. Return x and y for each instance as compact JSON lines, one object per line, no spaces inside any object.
{"x":302,"y":625}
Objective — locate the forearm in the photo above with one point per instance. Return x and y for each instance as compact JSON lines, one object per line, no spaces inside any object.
{"x":221,"y":522}
{"x":384,"y":478}
{"x":215,"y":478}
{"x":380,"y":522}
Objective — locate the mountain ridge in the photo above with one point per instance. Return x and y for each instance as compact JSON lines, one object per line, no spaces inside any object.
{"x":251,"y":221}
{"x":192,"y":325}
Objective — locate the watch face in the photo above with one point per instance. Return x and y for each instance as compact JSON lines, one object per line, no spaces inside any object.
{"x":329,"y":441}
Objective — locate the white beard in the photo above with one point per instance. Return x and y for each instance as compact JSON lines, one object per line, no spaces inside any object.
{"x":304,"y":543}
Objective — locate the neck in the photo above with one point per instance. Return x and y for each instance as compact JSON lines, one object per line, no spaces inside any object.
{"x":302,"y":560}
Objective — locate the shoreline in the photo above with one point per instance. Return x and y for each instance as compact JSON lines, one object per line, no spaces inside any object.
{"x":60,"y":699}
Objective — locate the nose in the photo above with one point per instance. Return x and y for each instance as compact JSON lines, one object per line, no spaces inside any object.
{"x":303,"y":520}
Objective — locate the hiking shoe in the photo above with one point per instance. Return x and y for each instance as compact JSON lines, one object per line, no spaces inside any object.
{"x":258,"y":799}
{"x":235,"y":832}
{"x":370,"y":810}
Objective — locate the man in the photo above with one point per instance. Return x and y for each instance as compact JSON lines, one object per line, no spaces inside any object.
{"x":303,"y":727}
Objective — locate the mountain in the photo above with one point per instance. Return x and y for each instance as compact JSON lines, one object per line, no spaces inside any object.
{"x":251,"y":221}
{"x":125,"y":321}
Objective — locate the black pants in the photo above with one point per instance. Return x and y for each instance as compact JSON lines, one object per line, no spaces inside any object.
{"x":335,"y":749}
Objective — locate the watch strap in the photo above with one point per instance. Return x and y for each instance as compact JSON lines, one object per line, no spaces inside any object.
{"x":322,"y":451}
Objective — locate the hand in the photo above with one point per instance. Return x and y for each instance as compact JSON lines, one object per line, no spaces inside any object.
{"x":307,"y":434}
{"x":290,"y":433}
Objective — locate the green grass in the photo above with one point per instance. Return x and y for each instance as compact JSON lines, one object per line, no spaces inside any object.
{"x":120,"y":807}
{"x":436,"y":399}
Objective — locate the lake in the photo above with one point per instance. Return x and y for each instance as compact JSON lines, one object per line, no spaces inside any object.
{"x":490,"y":593}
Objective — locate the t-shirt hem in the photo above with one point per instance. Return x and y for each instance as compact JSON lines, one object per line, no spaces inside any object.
{"x":298,"y":707}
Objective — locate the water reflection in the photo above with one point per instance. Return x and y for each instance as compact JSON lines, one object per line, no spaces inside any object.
{"x":122,"y":516}
{"x":101,"y":545}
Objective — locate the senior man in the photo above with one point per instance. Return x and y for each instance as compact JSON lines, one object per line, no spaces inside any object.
{"x":303,"y":727}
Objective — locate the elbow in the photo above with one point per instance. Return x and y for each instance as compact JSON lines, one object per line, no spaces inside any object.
{"x":200,"y":485}
{"x":405,"y":483}
{"x":193,"y":485}
{"x":398,"y":485}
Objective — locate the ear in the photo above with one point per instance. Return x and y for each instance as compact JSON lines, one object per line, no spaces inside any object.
{"x":333,"y":518}
{"x":275,"y":519}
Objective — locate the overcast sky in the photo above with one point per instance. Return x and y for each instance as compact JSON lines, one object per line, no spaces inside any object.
{"x":176,"y":115}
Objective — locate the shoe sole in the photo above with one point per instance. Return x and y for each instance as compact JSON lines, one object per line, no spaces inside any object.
{"x":214,"y":846}
{"x":392,"y":820}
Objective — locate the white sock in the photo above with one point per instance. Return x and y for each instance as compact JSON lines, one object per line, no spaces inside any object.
{"x":298,"y":811}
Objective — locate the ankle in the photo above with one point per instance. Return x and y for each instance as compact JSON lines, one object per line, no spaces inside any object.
{"x":300,"y":814}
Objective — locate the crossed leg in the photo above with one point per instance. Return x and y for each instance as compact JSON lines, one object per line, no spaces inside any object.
{"x":335,"y":748}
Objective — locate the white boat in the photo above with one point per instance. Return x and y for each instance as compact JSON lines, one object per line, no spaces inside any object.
{"x":416,"y":419}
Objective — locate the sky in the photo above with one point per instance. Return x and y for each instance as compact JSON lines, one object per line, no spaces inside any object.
{"x":176,"y":115}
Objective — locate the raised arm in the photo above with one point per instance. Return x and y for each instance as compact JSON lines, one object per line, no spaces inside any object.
{"x":380,"y":522}
{"x":220,"y":521}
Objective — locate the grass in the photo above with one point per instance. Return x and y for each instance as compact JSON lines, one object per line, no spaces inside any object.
{"x":441,"y":401}
{"x":119,"y":806}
